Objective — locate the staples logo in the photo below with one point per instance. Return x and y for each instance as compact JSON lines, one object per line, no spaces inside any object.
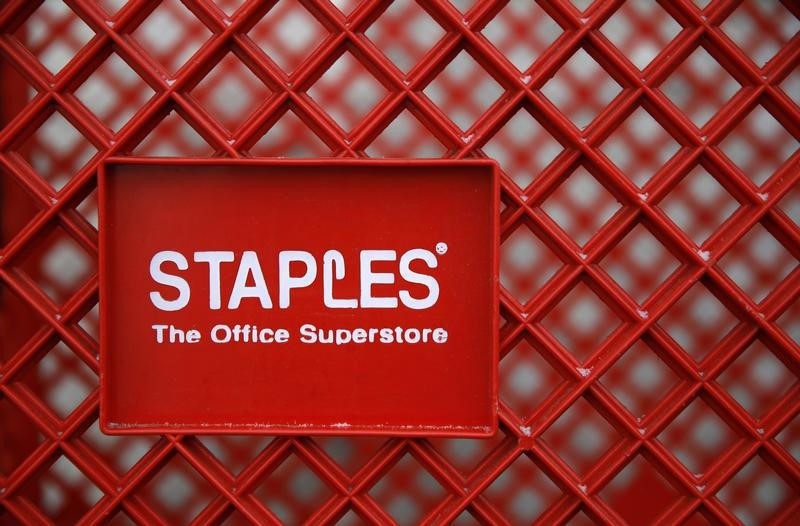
{"x":334,"y":267}
{"x":320,"y":296}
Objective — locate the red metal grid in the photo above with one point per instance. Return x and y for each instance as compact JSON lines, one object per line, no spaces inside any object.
{"x":589,"y":432}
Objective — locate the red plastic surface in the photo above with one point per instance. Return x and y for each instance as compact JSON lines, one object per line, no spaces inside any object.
{"x":650,"y":181}
{"x":439,"y":381}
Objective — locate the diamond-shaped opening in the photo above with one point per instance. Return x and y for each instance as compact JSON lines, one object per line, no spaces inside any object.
{"x":58,"y":264}
{"x":698,"y":437}
{"x":790,"y":203}
{"x":580,"y":519}
{"x":18,"y":323}
{"x":757,"y":263}
{"x":639,"y":263}
{"x":640,"y":30}
{"x":408,"y":492}
{"x":640,"y":380}
{"x":114,"y":92}
{"x":88,"y":209}
{"x":463,"y":5}
{"x":581,"y":89}
{"x":290,"y":137}
{"x":405,"y":33}
{"x":18,"y":437}
{"x":63,"y":492}
{"x":120,"y":519}
{"x":171,"y":34}
{"x":581,"y":322}
{"x":292,"y":491}
{"x":580,"y":436}
{"x":405,"y":137}
{"x":54,"y":34}
{"x":700,"y":87}
{"x":522,"y":492}
{"x":173,"y":137}
{"x":526,"y":264}
{"x":580,"y":206}
{"x":506,"y":319}
{"x":757,"y":379}
{"x":350,"y":453}
{"x":761,"y":29}
{"x":791,"y":85}
{"x":581,"y":5}
{"x":177,"y":492}
{"x":639,"y":493}
{"x":60,"y":379}
{"x":57,"y":151}
{"x":756,"y":493}
{"x":466,"y":518}
{"x":288,"y":34}
{"x":112,"y":6}
{"x":90,"y":322}
{"x":235,"y":452}
{"x":699,"y":205}
{"x":759,"y":145}
{"x":346,"y":6}
{"x":640,"y":147}
{"x":120,"y":452}
{"x":789,"y":321}
{"x":463,"y":91}
{"x":229,"y":6}
{"x":523,"y":148}
{"x":466,"y":453}
{"x":521,"y":31}
{"x":526,"y":379}
{"x":351,"y":518}
{"x":702,"y":4}
{"x":698,"y":321}
{"x":14,"y":218}
{"x":789,"y":438}
{"x":347,"y":91}
{"x":230,"y":92}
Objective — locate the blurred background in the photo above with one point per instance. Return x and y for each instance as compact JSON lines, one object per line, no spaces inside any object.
{"x":651,"y":234}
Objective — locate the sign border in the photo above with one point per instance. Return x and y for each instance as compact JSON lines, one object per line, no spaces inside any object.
{"x":112,"y":428}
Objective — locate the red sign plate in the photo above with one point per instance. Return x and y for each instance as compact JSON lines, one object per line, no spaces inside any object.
{"x":340,"y":297}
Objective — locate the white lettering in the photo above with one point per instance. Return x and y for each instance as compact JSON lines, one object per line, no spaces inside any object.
{"x":250,"y":283}
{"x":370,"y":278}
{"x":287,"y":281}
{"x":249,"y":266}
{"x":421,"y":279}
{"x":170,"y":280}
{"x":334,"y":259}
{"x":214,"y":258}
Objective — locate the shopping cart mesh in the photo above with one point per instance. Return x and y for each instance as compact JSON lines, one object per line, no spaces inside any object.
{"x":650,"y":216}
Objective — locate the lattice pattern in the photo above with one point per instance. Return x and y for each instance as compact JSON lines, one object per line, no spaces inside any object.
{"x":650,"y":322}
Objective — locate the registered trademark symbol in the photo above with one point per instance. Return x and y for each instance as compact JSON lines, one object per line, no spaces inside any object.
{"x":441,"y":248}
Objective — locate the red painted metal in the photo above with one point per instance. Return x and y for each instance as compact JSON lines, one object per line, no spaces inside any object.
{"x":650,"y":306}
